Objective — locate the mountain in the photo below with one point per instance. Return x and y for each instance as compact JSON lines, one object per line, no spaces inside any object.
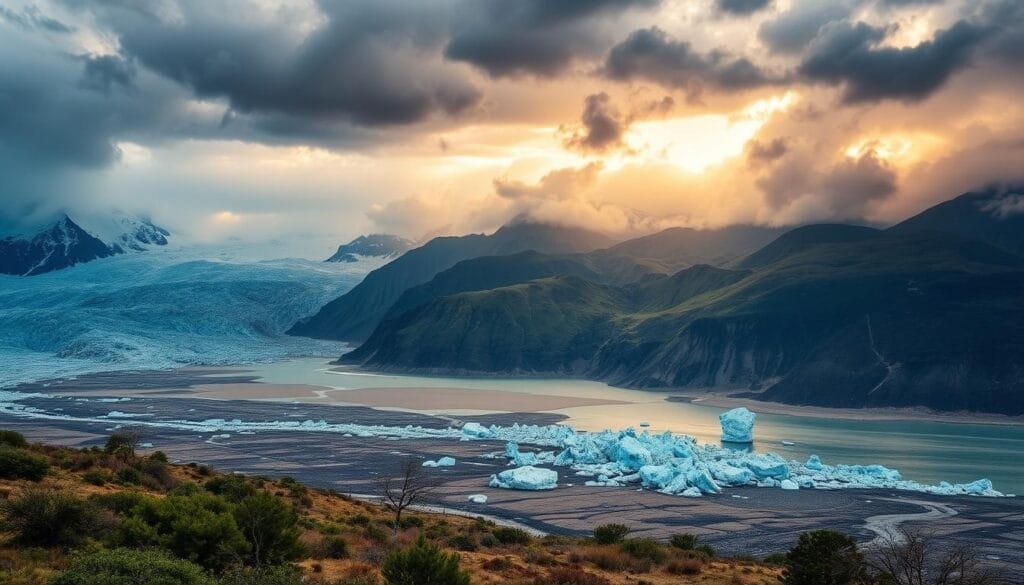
{"x":995,"y":216}
{"x":832,"y":316}
{"x":376,"y":245}
{"x":675,"y":248}
{"x":353,"y":316}
{"x":59,"y":245}
{"x":66,"y":243}
{"x":804,"y":237}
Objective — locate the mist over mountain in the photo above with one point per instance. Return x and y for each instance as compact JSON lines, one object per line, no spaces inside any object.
{"x":829,"y":315}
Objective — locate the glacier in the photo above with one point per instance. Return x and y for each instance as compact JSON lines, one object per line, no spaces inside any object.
{"x":165,"y":308}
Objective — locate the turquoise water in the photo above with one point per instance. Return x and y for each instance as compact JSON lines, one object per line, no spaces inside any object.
{"x":923,"y":451}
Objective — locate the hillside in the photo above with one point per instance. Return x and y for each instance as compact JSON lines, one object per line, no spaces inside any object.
{"x":79,"y":516}
{"x":995,"y":216}
{"x":860,"y":305}
{"x":353,"y":316}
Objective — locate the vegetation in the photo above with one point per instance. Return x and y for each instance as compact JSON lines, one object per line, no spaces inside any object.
{"x":18,"y":464}
{"x":423,"y":563}
{"x":610,"y":533}
{"x":188,"y":524}
{"x":12,"y":439}
{"x":131,"y":567}
{"x":824,"y":557}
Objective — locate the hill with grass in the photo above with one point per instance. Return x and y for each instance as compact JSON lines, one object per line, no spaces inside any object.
{"x":829,"y":315}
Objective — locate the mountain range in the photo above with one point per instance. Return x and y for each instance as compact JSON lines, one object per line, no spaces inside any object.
{"x":65,"y":243}
{"x":924,"y":313}
{"x":373,"y":245}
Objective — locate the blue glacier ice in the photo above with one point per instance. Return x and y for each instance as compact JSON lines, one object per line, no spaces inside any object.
{"x":526,"y":478}
{"x":737,"y":425}
{"x":442,"y":462}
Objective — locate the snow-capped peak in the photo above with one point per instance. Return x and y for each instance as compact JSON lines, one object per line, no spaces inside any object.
{"x":124,"y":232}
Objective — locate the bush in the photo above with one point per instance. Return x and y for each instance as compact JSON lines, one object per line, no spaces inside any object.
{"x":685,"y":566}
{"x":707,"y":549}
{"x":122,"y":444}
{"x":824,"y":557}
{"x":159,"y":456}
{"x":463,"y":542}
{"x":17,"y":464}
{"x":684,"y":541}
{"x":129,"y":475}
{"x":233,"y":487}
{"x":644,"y":549}
{"x":199,"y":527}
{"x":423,"y":562}
{"x":570,"y":576}
{"x":333,"y":547}
{"x":610,"y":533}
{"x":271,"y":527}
{"x":610,"y":558}
{"x":95,"y":477}
{"x":510,"y":535}
{"x":48,"y":518}
{"x":131,"y":567}
{"x":410,"y":521}
{"x":12,"y":439}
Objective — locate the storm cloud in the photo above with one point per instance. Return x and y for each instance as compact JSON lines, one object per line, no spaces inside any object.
{"x":537,"y":37}
{"x":654,"y":56}
{"x":741,"y":7}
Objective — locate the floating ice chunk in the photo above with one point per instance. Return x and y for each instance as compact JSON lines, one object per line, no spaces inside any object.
{"x":729,"y":475}
{"x":631,"y":454}
{"x":767,"y":466}
{"x":644,"y":424}
{"x":788,"y":443}
{"x":737,"y":425}
{"x":478,"y":499}
{"x":788,"y":484}
{"x":691,"y":492}
{"x":814,"y":463}
{"x":477,"y":431}
{"x":145,"y":445}
{"x":525,"y":478}
{"x":442,"y":462}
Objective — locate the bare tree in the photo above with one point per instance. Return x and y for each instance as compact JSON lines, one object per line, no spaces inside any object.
{"x":411,"y":486}
{"x":915,"y":557}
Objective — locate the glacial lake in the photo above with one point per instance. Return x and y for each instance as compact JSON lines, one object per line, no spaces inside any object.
{"x":924,"y":451}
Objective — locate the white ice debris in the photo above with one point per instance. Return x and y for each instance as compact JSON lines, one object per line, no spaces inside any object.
{"x":442,"y":462}
{"x":478,"y":499}
{"x":526,"y":478}
{"x":737,"y":425}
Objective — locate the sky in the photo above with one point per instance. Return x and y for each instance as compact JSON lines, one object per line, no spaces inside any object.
{"x":266,"y":120}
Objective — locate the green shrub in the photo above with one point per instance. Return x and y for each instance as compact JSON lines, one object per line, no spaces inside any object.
{"x":271,"y":528}
{"x":155,"y":475}
{"x":824,"y":557}
{"x":410,"y":522}
{"x":463,"y":542}
{"x":129,"y":475}
{"x":421,"y":563}
{"x":333,"y":547}
{"x":198,"y":527}
{"x":118,"y":502}
{"x":510,"y":535}
{"x":12,"y":439}
{"x":707,"y":549}
{"x":122,"y":444}
{"x":375,"y":533}
{"x":610,"y":533}
{"x":570,"y":576}
{"x":131,"y":567}
{"x":18,"y":464}
{"x":488,"y":540}
{"x":233,"y":487}
{"x":95,"y":477}
{"x":359,"y":519}
{"x":48,"y":518}
{"x":644,"y":549}
{"x":159,"y":456}
{"x":684,"y":541}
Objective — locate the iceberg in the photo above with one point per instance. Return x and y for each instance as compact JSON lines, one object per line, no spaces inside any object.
{"x":526,"y":478}
{"x":442,"y":462}
{"x":472,"y":430}
{"x":477,"y":499}
{"x":737,"y":425}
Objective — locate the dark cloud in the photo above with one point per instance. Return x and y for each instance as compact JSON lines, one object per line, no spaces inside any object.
{"x":31,"y":17}
{"x":538,"y":37}
{"x":848,"y":55}
{"x":104,"y":72}
{"x":368,"y":63}
{"x":794,"y":29}
{"x":741,"y":7}
{"x":854,"y":183}
{"x":602,"y":126}
{"x":759,"y":153}
{"x":652,"y":55}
